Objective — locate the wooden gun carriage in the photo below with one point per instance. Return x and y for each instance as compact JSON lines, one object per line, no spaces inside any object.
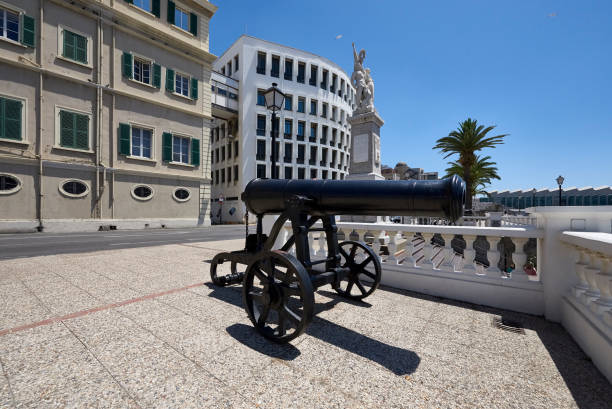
{"x":278,"y":287}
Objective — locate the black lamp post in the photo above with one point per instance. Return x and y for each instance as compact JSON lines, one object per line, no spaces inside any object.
{"x":274,"y":102}
{"x":560,"y":180}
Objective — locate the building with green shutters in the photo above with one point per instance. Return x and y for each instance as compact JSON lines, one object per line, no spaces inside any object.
{"x":104,"y":114}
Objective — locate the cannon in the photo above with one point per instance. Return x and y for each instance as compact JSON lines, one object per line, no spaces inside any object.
{"x":278,"y":284}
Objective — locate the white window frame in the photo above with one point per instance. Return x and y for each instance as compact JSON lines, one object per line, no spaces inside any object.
{"x":184,"y":11}
{"x":20,"y":12}
{"x":189,"y":138}
{"x":58,"y":129}
{"x":181,"y":200}
{"x":142,"y":60}
{"x":24,"y":117}
{"x":60,"y":46}
{"x":178,"y":73}
{"x":14,"y":190}
{"x":142,"y":199}
{"x":60,"y":187}
{"x":148,"y":128}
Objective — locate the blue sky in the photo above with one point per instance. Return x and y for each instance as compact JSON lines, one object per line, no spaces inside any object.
{"x":539,"y":70}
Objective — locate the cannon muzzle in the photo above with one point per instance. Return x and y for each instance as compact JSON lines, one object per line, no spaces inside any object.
{"x":429,"y":198}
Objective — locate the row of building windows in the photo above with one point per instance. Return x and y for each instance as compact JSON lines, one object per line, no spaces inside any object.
{"x":137,"y":141}
{"x":337,"y":158}
{"x":178,"y":16}
{"x":313,"y":108}
{"x":219,"y":176}
{"x":224,"y":92}
{"x":218,"y":154}
{"x":227,"y":68}
{"x":327,"y":82}
{"x":335,"y":138}
{"x":74,"y":130}
{"x":262,"y":172}
{"x":147,"y":72}
{"x":524,"y":202}
{"x":76,"y":188}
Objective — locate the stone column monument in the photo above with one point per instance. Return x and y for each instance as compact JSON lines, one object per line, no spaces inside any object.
{"x":365,"y":130}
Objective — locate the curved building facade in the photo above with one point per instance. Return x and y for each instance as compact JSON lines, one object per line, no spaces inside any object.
{"x":314,"y":135}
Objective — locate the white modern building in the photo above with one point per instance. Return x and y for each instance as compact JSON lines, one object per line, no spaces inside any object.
{"x":314,"y":135}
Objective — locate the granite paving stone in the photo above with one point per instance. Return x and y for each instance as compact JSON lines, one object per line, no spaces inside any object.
{"x":195,"y":347}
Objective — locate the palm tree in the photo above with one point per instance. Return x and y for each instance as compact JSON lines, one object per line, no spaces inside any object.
{"x":467,"y":139}
{"x":482,"y":173}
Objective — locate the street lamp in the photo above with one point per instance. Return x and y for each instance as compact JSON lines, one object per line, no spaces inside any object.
{"x":274,"y":102}
{"x":560,"y":182}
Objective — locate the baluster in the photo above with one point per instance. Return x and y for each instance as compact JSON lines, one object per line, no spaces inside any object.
{"x":449,"y":253}
{"x":311,"y":244}
{"x":520,"y":258}
{"x":321,"y":251}
{"x":581,"y":264}
{"x":604,"y":284}
{"x":468,"y":255}
{"x":410,"y":259}
{"x":376,"y":242}
{"x":427,"y":251}
{"x":392,"y":247}
{"x":590,"y":272}
{"x":493,"y":255}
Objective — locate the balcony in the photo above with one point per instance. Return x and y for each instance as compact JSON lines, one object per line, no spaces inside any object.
{"x":288,"y":76}
{"x":544,"y":269}
{"x":300,"y":79}
{"x":224,"y":93}
{"x":332,"y":142}
{"x":287,"y":135}
{"x":260,"y":156}
{"x":300,"y":138}
{"x":312,"y":139}
{"x":287,"y":159}
{"x":275,"y":74}
{"x":323,"y":141}
{"x":312,"y":162}
{"x":261,"y":70}
{"x":299,"y":161}
{"x":323,"y":163}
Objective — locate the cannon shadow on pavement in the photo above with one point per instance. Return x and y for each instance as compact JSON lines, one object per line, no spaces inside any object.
{"x":398,"y":360}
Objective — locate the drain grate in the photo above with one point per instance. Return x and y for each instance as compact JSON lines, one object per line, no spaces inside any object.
{"x":508,"y":325}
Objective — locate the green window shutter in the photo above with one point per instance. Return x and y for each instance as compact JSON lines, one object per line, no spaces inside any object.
{"x":195,"y":152}
{"x":167,"y":147}
{"x":28,"y":31}
{"x":80,"y":47}
{"x":171,"y":9}
{"x":170,"y":80}
{"x":156,"y":75}
{"x":124,"y":139}
{"x":68,"y":50}
{"x":81,"y":128}
{"x":194,"y":88}
{"x":10,"y":118}
{"x":193,"y":24}
{"x":67,"y":129}
{"x":127,"y":65}
{"x":155,"y":9}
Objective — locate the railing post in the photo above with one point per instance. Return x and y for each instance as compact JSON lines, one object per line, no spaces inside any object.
{"x":590,"y":272}
{"x":493,"y":256}
{"x":376,"y":242}
{"x":321,"y":250}
{"x":410,"y":260}
{"x":427,"y":251}
{"x":392,"y":246}
{"x":604,"y":284}
{"x":449,"y":253}
{"x":520,"y":258}
{"x":468,"y":254}
{"x":581,"y":264}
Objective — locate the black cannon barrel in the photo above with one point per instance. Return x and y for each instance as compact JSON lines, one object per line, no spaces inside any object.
{"x":433,"y":198}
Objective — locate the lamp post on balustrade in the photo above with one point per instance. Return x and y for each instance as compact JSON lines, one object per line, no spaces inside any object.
{"x":560,"y":180}
{"x":274,"y":102}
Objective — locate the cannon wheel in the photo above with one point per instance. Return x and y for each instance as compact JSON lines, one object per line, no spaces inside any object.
{"x":220,"y":259}
{"x":278,"y":296}
{"x":365,"y":273}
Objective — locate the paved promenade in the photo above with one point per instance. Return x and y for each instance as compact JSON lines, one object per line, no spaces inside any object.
{"x":143,"y":328}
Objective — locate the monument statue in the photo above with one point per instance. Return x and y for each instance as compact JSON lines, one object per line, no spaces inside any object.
{"x":363,"y":83}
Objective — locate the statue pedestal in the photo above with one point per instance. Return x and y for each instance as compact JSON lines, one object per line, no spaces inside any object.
{"x":365,"y":154}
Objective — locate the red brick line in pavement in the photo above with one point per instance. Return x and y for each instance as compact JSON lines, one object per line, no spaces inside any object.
{"x":92,"y":310}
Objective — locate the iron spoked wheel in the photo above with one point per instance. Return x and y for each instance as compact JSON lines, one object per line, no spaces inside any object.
{"x":365,"y":268}
{"x":278,"y":296}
